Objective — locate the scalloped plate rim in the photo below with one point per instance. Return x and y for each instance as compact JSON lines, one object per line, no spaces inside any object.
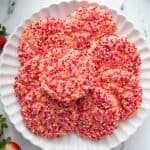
{"x":57,"y":3}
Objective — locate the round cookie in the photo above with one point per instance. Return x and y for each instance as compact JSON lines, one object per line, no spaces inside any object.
{"x":114,"y":52}
{"x":47,"y":117}
{"x":27,"y":78}
{"x":93,"y":19}
{"x":98,"y":115}
{"x":41,"y":36}
{"x":65,"y":74}
{"x":125,"y":87}
{"x":89,"y":23}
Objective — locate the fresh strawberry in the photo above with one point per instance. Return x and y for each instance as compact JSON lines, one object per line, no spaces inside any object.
{"x":3,"y":35}
{"x":2,"y":124}
{"x":7,"y":144}
{"x":2,"y":41}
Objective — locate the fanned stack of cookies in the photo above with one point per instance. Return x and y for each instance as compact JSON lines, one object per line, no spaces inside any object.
{"x":77,"y":75}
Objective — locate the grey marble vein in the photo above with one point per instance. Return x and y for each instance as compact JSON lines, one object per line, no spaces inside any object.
{"x":11,"y":6}
{"x":122,"y":146}
{"x":122,"y":5}
{"x":145,"y":33}
{"x":9,"y":11}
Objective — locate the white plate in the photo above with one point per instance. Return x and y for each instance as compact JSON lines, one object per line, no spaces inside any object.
{"x":10,"y":65}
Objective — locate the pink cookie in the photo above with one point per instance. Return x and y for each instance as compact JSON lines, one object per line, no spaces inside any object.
{"x":98,"y":115}
{"x":114,"y":52}
{"x":91,"y":21}
{"x":125,"y":87}
{"x":66,"y":74}
{"x":27,"y":78}
{"x":47,"y":117}
{"x":41,"y":36}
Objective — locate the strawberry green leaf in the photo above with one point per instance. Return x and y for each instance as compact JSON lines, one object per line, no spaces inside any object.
{"x":2,"y":124}
{"x":4,"y":142}
{"x":3,"y":31}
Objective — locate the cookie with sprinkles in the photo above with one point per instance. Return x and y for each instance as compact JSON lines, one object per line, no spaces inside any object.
{"x":66,"y":76}
{"x":98,"y":115}
{"x":47,"y":117}
{"x":41,"y":36}
{"x":27,"y":78}
{"x":125,"y":87}
{"x":115,"y":52}
{"x":90,"y":22}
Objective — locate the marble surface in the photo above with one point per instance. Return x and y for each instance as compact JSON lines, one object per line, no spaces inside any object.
{"x":13,"y":12}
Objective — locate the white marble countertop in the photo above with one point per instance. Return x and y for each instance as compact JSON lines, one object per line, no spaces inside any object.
{"x":13,"y":12}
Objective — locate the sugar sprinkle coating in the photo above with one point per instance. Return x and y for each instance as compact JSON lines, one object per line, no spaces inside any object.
{"x":27,"y":78}
{"x":92,"y":19}
{"x":65,"y":74}
{"x":77,"y":75}
{"x":114,"y":52}
{"x":42,"y":36}
{"x":98,"y":115}
{"x":47,"y":117}
{"x":90,"y":22}
{"x":125,"y":87}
